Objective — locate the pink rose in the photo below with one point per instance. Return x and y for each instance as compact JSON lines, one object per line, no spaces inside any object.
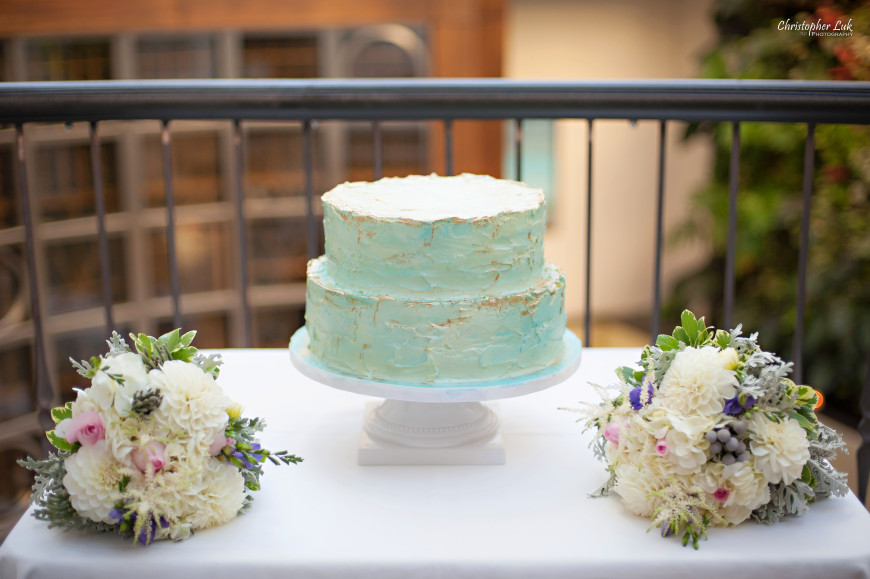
{"x":662,"y":447}
{"x":220,"y":441}
{"x":86,"y":428}
{"x":149,"y":456}
{"x":611,"y":432}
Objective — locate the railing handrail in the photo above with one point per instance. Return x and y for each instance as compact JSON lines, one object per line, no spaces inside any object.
{"x":306,"y":101}
{"x":425,"y":99}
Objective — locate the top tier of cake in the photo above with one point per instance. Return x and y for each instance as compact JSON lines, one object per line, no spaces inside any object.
{"x":411,"y":236}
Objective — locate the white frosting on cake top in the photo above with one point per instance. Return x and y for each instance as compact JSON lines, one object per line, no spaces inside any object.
{"x":432,"y":198}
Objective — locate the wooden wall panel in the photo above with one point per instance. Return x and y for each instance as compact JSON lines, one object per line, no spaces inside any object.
{"x":19,"y":17}
{"x":465,"y":38}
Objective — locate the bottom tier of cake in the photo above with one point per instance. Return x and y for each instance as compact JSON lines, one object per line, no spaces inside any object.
{"x":413,"y":341}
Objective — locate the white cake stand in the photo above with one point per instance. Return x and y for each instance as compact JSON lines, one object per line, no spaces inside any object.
{"x":440,"y":423}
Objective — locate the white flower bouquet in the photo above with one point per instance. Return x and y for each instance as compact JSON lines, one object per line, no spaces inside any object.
{"x":711,"y":431}
{"x":153,"y":449}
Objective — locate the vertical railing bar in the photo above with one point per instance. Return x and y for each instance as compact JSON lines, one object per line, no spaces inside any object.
{"x":660,"y":202}
{"x":731,"y":249}
{"x":803,"y":253}
{"x":378,"y":146}
{"x":102,"y":237}
{"x":518,"y":148}
{"x":308,"y":167}
{"x":241,"y":232}
{"x":588,"y":314}
{"x":448,"y":147}
{"x":864,"y":431}
{"x":171,"y":251}
{"x":44,"y":393}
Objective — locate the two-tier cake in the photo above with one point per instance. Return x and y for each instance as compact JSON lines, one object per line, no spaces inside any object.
{"x":435,"y":280}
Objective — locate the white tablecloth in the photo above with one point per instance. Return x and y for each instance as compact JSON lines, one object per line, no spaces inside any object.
{"x":329,"y":517}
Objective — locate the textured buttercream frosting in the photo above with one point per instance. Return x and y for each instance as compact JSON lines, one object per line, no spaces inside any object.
{"x":435,"y":340}
{"x":431,"y":198}
{"x":431,"y":280}
{"x":416,"y":234}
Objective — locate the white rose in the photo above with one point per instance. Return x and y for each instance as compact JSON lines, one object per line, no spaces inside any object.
{"x":116,"y":381}
{"x":102,"y":391}
{"x":658,"y":421}
{"x":779,"y":449}
{"x":686,"y":454}
{"x":693,"y":426}
{"x":92,"y":477}
{"x":687,"y":447}
{"x":741,"y":486}
{"x":83,"y":403}
{"x":697,"y":382}
{"x":134,"y":376}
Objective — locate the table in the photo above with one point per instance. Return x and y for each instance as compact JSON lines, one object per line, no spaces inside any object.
{"x":329,"y":517}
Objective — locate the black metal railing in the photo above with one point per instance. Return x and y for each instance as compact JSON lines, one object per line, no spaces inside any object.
{"x":442,"y":100}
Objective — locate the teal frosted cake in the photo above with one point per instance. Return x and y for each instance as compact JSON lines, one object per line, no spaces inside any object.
{"x":430,"y":280}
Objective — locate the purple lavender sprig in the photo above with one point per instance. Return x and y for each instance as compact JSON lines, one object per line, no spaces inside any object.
{"x":245,"y":452}
{"x":144,"y":529}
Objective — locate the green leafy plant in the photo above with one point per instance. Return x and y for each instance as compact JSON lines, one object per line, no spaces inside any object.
{"x":837,"y":332}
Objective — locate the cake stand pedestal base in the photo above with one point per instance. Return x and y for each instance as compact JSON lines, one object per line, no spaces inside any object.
{"x":398,"y":432}
{"x":439,"y":423}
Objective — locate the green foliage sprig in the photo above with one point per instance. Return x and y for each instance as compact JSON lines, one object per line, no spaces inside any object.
{"x":247,"y":455}
{"x":57,"y":415}
{"x":51,"y":499}
{"x":154,"y":352}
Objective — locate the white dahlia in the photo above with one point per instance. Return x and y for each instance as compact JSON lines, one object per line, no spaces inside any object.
{"x":92,"y":477}
{"x":221,"y":496}
{"x":779,"y":449}
{"x":698,"y":381}
{"x":192,"y":402}
{"x":635,"y":484}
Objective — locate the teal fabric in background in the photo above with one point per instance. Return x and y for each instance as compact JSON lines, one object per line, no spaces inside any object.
{"x":538,"y":163}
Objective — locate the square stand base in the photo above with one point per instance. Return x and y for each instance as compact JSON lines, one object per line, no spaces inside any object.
{"x":375,"y":453}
